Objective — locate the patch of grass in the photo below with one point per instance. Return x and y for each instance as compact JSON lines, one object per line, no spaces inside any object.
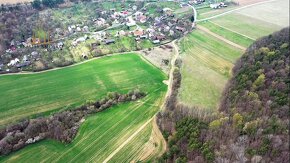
{"x":245,"y":25}
{"x":229,"y":35}
{"x":206,"y":67}
{"x":134,"y":148}
{"x":24,"y":96}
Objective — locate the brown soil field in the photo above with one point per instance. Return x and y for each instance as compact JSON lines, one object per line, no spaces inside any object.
{"x":13,"y":1}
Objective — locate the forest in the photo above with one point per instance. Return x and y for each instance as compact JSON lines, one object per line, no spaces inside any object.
{"x":252,"y":121}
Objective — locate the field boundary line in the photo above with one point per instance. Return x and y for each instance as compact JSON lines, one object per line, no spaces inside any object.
{"x":221,"y":38}
{"x":127,"y":141}
{"x":237,"y":9}
{"x":232,"y":30}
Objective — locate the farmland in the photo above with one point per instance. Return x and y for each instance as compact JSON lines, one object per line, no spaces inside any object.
{"x":38,"y":94}
{"x":102,"y":133}
{"x":252,"y":23}
{"x":206,"y":67}
{"x":98,"y":136}
{"x":228,"y":34}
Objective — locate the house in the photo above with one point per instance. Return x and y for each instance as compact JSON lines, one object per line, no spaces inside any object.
{"x":79,"y":29}
{"x":25,"y":58}
{"x":86,"y":29}
{"x":13,"y":62}
{"x":181,"y":29}
{"x":100,"y":22}
{"x":23,"y":64}
{"x":156,"y":41}
{"x":183,"y":5}
{"x":130,"y":22}
{"x":109,"y":41}
{"x":142,"y":19}
{"x":144,"y":36}
{"x":138,"y":33}
{"x":60,"y":45}
{"x":122,"y":33}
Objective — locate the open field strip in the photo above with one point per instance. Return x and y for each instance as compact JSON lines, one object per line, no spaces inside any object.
{"x":101,"y":134}
{"x":245,"y":25}
{"x":225,"y":11}
{"x":274,"y":12}
{"x":228,"y":34}
{"x":207,"y":62}
{"x":33,"y":94}
{"x":221,"y":38}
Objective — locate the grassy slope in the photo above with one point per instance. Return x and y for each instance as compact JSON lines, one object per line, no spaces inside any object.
{"x":102,"y":133}
{"x":245,"y":25}
{"x":227,"y":34}
{"x":26,"y":95}
{"x":99,"y":136}
{"x":207,"y":64}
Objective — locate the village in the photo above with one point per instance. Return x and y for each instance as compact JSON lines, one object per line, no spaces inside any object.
{"x":125,"y":27}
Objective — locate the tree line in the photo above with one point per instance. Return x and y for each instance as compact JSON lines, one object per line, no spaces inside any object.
{"x":62,"y":126}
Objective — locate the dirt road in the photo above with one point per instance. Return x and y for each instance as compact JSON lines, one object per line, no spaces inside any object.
{"x":221,"y":38}
{"x":170,"y":80}
{"x":127,"y":141}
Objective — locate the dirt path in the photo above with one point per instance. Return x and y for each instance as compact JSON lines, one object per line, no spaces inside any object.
{"x":127,"y":141}
{"x":156,"y":145}
{"x":227,"y":12}
{"x":155,"y":127}
{"x":170,"y":80}
{"x":221,"y":38}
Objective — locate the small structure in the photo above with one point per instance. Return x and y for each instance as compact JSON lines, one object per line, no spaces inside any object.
{"x":181,"y":29}
{"x":23,"y":64}
{"x":109,"y":41}
{"x":183,"y":5}
{"x":138,"y":33}
{"x":13,"y":62}
{"x":156,"y":41}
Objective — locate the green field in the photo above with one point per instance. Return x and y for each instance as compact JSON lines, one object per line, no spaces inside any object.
{"x":228,"y":34}
{"x":28,"y":95}
{"x":98,"y":136}
{"x":207,"y":63}
{"x":253,"y":28}
{"x":101,"y":133}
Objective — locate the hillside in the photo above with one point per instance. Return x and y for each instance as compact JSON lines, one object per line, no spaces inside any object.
{"x":252,"y":123}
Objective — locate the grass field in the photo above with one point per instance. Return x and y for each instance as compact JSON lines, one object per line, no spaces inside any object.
{"x":99,"y":135}
{"x":245,"y":25}
{"x":207,"y":63}
{"x":228,"y":34}
{"x":28,"y":95}
{"x":103,"y":132}
{"x":275,"y":12}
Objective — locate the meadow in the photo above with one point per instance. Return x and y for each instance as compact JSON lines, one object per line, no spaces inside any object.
{"x":30,"y":95}
{"x":207,"y":64}
{"x":228,"y":34}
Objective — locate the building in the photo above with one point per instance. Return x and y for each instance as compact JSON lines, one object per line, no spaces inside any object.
{"x":109,"y":41}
